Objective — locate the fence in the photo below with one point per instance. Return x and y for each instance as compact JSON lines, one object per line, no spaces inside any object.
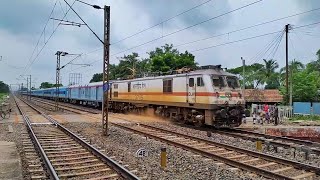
{"x":306,"y":108}
{"x":284,"y":112}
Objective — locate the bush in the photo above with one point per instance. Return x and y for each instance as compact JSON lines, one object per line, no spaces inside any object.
{"x":306,"y":117}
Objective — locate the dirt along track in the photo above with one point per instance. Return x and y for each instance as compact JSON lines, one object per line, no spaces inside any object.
{"x":265,"y":165}
{"x":65,"y":154}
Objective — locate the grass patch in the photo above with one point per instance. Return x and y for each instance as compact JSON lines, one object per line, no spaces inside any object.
{"x":306,"y":117}
{"x":2,"y":96}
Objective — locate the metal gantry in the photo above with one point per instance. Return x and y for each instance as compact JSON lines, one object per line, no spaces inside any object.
{"x":59,"y":54}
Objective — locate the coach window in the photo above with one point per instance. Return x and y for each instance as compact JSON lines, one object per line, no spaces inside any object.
{"x":200,"y":81}
{"x":167,"y":86}
{"x":129,"y":86}
{"x":115,"y":86}
{"x":191,"y":82}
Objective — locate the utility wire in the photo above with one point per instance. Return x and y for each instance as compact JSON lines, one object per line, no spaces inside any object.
{"x":263,"y":51}
{"x":276,"y":47}
{"x":253,"y":37}
{"x":249,"y":27}
{"x":232,"y":42}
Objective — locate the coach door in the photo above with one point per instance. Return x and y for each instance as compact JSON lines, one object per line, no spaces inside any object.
{"x":191,"y":90}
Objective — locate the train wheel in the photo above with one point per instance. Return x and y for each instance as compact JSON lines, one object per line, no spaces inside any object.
{"x":198,"y":123}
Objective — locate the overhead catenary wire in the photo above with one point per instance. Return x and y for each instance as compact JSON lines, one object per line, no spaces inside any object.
{"x":43,"y":32}
{"x":95,"y":34}
{"x":151,"y":27}
{"x":241,"y":40}
{"x":28,"y":66}
{"x":230,"y":32}
{"x":188,"y":27}
{"x":164,"y":21}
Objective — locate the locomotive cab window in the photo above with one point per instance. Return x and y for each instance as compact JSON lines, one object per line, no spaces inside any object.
{"x":191,"y":82}
{"x":218,"y":81}
{"x":232,"y":82}
{"x":167,"y":86}
{"x":200,"y":82}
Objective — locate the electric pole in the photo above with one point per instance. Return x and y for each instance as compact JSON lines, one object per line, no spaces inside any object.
{"x":30,"y":88}
{"x":243,"y":78}
{"x":27,"y":87}
{"x":287,"y":64}
{"x":291,"y":83}
{"x":105,"y":85}
{"x":58,"y":53}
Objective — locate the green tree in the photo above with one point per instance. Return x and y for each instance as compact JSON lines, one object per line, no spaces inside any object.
{"x":305,"y":86}
{"x":4,"y":88}
{"x":253,"y":74}
{"x":96,"y":77}
{"x":45,"y":85}
{"x":167,"y":58}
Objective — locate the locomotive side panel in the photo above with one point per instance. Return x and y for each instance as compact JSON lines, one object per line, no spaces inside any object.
{"x":169,"y":90}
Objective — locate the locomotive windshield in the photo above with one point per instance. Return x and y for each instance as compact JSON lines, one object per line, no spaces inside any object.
{"x":232,"y":82}
{"x":218,"y":81}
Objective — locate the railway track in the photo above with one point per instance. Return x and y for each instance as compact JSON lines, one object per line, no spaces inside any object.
{"x":71,"y":108}
{"x":259,"y":163}
{"x":268,"y":140}
{"x":67,"y":156}
{"x":275,"y":141}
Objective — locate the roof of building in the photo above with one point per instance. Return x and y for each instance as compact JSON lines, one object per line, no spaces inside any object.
{"x":263,"y":95}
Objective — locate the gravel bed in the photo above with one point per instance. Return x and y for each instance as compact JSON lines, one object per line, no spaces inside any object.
{"x":245,"y":144}
{"x":16,"y":136}
{"x":122,"y":145}
{"x":49,"y":109}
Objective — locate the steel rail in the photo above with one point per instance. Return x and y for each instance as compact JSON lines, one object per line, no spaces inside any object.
{"x":243,"y":136}
{"x":251,"y":153}
{"x":49,"y":168}
{"x":310,"y":145}
{"x":294,"y":140}
{"x":262,"y":172}
{"x":116,"y":166}
{"x":66,"y":106}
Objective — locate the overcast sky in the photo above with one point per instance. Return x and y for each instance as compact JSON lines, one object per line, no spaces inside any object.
{"x":21,"y":23}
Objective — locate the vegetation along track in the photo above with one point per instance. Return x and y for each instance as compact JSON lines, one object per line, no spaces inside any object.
{"x":66,"y":155}
{"x":259,"y":163}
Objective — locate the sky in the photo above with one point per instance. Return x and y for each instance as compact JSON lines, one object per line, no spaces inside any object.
{"x":29,"y":39}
